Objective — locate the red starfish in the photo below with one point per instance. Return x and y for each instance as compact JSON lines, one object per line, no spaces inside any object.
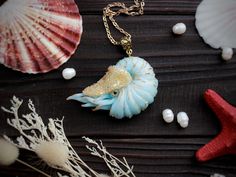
{"x":225,"y":142}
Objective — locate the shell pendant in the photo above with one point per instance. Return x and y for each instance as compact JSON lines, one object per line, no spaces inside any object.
{"x":125,"y":90}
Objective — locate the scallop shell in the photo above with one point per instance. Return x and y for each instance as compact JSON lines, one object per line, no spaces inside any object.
{"x":132,"y":98}
{"x":216,"y":22}
{"x":37,"y":36}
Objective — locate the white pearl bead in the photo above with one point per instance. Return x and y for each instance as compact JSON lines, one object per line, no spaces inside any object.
{"x":168,"y":115}
{"x":179,"y":28}
{"x":227,"y":53}
{"x":183,"y":119}
{"x":68,"y":73}
{"x":184,"y":124}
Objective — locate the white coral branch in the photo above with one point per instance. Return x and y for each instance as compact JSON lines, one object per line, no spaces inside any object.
{"x":34,"y":134}
{"x":50,"y":143}
{"x":114,"y":164}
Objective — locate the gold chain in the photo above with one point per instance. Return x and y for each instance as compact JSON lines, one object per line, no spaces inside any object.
{"x":108,"y":12}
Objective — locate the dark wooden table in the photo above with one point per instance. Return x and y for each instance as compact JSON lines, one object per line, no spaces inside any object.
{"x":185,"y":67}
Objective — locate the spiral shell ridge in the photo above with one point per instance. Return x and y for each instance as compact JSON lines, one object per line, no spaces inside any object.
{"x":139,"y":93}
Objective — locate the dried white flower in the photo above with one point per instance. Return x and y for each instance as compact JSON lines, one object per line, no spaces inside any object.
{"x":8,"y":153}
{"x":53,"y":152}
{"x":51,"y":145}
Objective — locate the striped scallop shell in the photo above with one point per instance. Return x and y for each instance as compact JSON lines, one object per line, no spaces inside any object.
{"x":139,"y":93}
{"x":37,"y":36}
{"x":129,"y":100}
{"x":216,"y":22}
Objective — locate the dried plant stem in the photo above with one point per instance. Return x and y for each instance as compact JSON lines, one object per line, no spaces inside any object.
{"x":35,"y":169}
{"x":111,"y":161}
{"x":78,"y":159}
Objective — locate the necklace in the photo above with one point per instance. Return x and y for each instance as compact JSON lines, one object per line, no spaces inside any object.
{"x":129,"y":86}
{"x":136,"y":9}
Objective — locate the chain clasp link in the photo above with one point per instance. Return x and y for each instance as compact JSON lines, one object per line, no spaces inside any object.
{"x":126,"y":43}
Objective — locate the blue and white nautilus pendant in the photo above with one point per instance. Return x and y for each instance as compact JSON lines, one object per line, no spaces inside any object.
{"x":125,"y":90}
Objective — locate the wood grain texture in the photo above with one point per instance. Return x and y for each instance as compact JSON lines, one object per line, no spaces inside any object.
{"x":185,"y":67}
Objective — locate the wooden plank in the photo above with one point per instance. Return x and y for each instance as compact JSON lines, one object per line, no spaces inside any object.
{"x":80,"y":121}
{"x":152,"y":156}
{"x":152,"y":6}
